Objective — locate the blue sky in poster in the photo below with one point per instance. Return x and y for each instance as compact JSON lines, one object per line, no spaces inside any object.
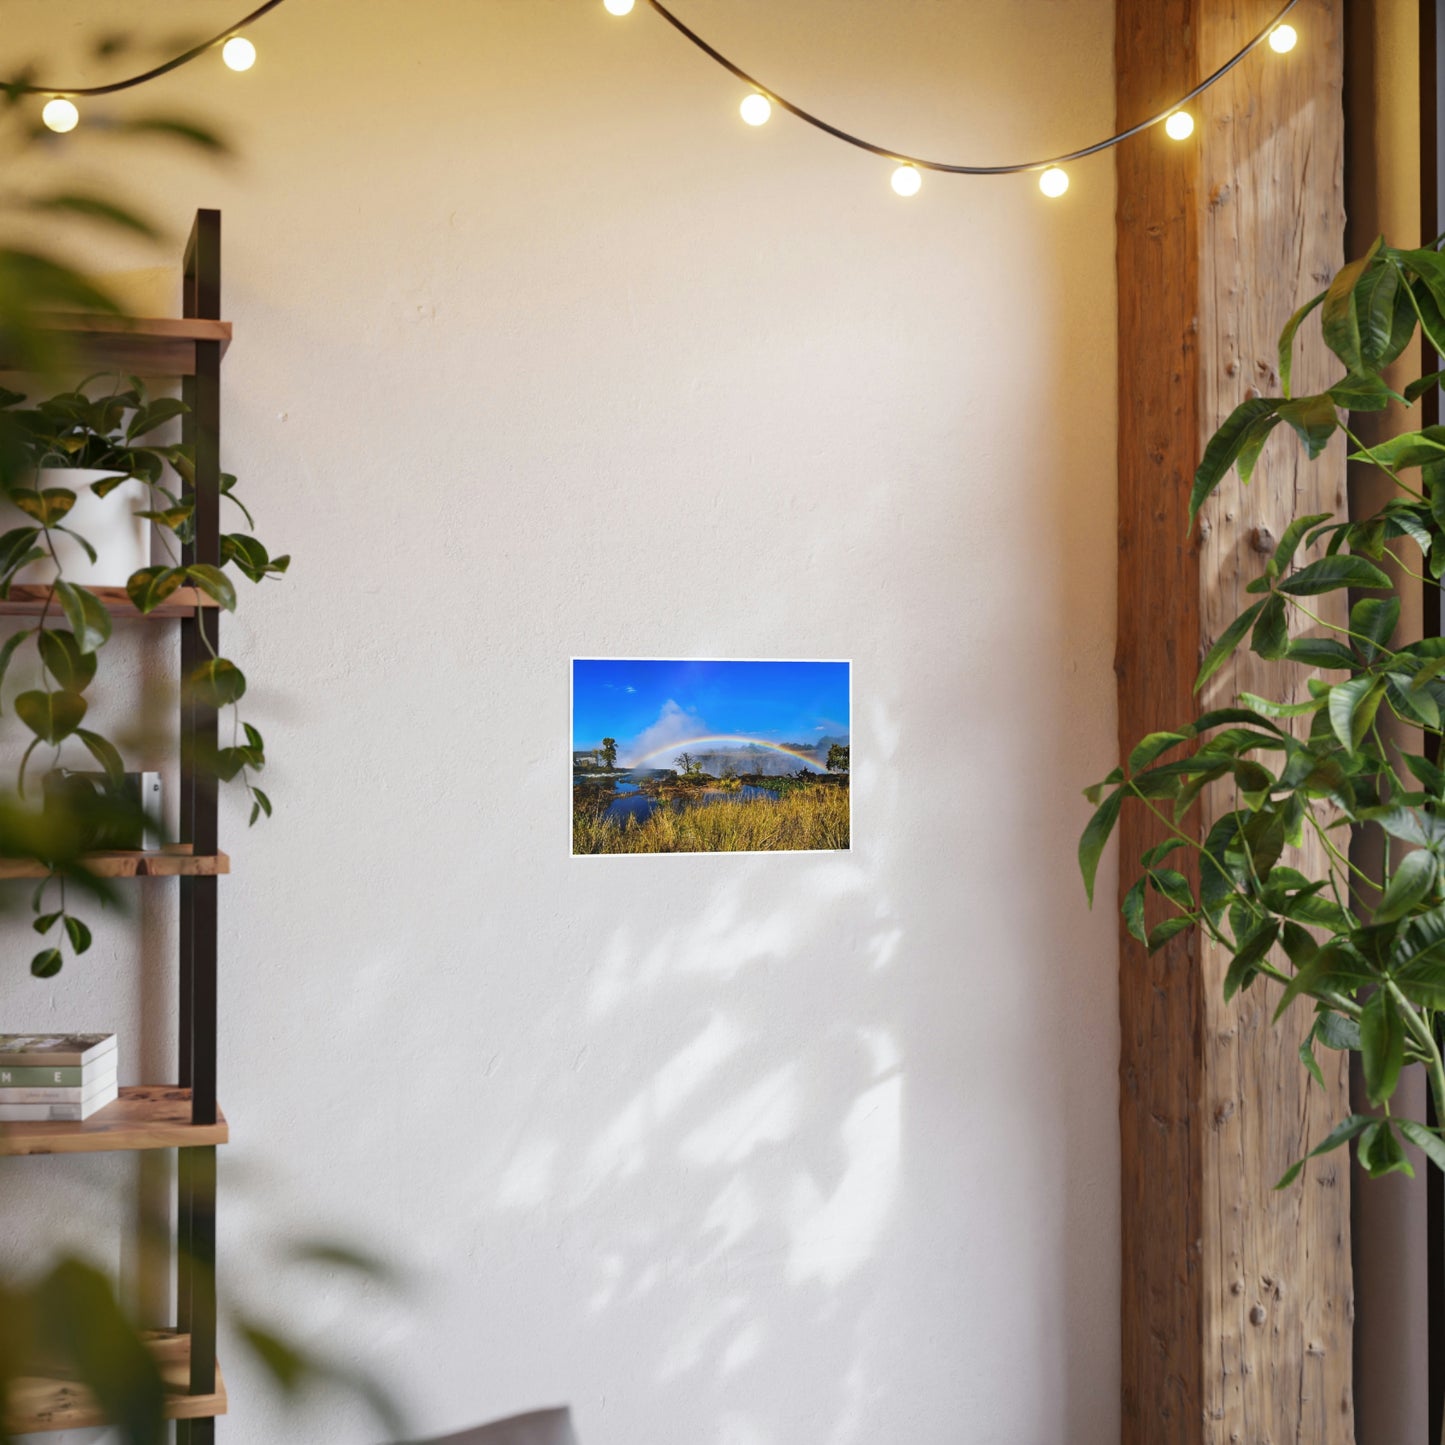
{"x":649,"y":704}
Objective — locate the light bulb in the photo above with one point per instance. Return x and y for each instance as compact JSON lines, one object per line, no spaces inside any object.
{"x":1054,"y":182}
{"x":1283,"y":39}
{"x":60,"y":114}
{"x":907,"y":181}
{"x":756,"y":109}
{"x":239,"y":53}
{"x":618,"y":7}
{"x":1179,"y":126}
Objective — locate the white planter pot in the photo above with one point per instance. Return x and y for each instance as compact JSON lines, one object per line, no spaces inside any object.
{"x":122,"y":540}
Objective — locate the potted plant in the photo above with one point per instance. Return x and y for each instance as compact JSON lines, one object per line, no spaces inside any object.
{"x":98,"y":445}
{"x":1374,"y":975}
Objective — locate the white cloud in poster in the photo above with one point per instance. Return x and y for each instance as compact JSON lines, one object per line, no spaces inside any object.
{"x":675,"y":724}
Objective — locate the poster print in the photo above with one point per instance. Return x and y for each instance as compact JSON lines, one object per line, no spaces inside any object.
{"x":692,"y":756}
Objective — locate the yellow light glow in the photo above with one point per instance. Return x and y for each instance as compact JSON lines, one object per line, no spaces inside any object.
{"x":907,"y":181}
{"x":60,"y":114}
{"x":1283,"y":39}
{"x":1054,"y":182}
{"x":1180,"y":125}
{"x":239,"y":53}
{"x":618,"y":7}
{"x":756,"y":109}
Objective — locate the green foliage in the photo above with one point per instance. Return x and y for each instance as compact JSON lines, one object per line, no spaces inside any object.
{"x":112,"y":428}
{"x":837,"y":758}
{"x":1321,"y":763}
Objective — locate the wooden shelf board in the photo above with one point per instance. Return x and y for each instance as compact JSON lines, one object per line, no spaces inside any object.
{"x":146,"y":1116}
{"x":177,"y":861}
{"x":42,"y":1402}
{"x":150,"y":345}
{"x":29,"y":599}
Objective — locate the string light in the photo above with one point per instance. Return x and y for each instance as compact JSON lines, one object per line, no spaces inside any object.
{"x":756,"y":109}
{"x":907,"y":180}
{"x":239,"y":53}
{"x":60,"y":114}
{"x":1054,"y":182}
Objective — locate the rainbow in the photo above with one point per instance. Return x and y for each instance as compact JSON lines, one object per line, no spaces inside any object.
{"x":689,"y":744}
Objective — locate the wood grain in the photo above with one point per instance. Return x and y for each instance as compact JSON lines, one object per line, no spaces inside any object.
{"x":177,"y":861}
{"x":150,"y":346}
{"x":1236,"y":1300}
{"x":146,"y":1116}
{"x":29,"y":600}
{"x":52,"y":1402}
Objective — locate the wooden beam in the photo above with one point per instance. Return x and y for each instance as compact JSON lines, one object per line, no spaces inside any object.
{"x":1236,"y":1300}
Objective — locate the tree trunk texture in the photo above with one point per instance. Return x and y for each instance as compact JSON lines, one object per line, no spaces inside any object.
{"x":1237,"y":1304}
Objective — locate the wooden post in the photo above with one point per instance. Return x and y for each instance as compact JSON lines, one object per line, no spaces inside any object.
{"x":1236,"y":1300}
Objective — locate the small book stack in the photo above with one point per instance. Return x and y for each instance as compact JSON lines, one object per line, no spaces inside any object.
{"x":56,"y":1077}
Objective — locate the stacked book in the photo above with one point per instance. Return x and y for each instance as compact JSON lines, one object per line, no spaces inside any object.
{"x":57,"y":1077}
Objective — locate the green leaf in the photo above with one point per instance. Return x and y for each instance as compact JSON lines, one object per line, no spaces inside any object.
{"x":1163,"y":932}
{"x":1293,"y":1172}
{"x":1244,"y":966}
{"x":47,"y":921}
{"x":1381,"y":1153}
{"x":1280,"y":709}
{"x":1427,"y":1141}
{"x":1133,"y":910}
{"x":1409,"y":449}
{"x":1353,"y":706}
{"x":1219,"y":654}
{"x":1374,"y":300}
{"x":89,"y":621}
{"x":104,"y":752}
{"x":1320,"y":652}
{"x":1271,"y":631}
{"x":1289,"y":542}
{"x":46,"y":964}
{"x":214,"y":583}
{"x":51,"y":716}
{"x":262,"y":802}
{"x":8,"y":650}
{"x":78,"y":933}
{"x":1419,"y":387}
{"x":1151,"y":747}
{"x":1374,"y":618}
{"x":1224,"y":448}
{"x":1338,"y":321}
{"x":1361,"y":393}
{"x":1331,"y":969}
{"x":1342,"y":1133}
{"x":1413,"y":880}
{"x":1431,"y":776}
{"x":1095,"y":836}
{"x":1335,"y":1031}
{"x":154,"y":414}
{"x":86,"y":207}
{"x":216,"y":682}
{"x":149,"y":587}
{"x":1313,"y":419}
{"x":1307,"y":1057}
{"x":1382,"y":1046}
{"x":1286,"y":340}
{"x":1331,"y":573}
{"x":71,"y":668}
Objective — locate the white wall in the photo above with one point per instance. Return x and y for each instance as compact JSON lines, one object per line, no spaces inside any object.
{"x":540,"y":352}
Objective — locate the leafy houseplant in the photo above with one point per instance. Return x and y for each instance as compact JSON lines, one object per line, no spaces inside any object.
{"x":109,"y":434}
{"x":1375,"y":975}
